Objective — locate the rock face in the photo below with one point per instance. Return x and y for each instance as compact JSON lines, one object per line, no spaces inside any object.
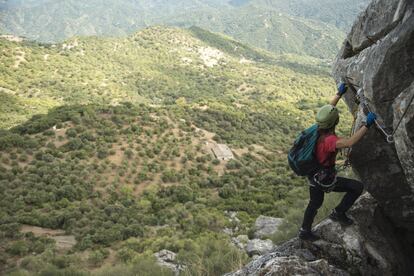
{"x":266,"y":226}
{"x":369,"y":247}
{"x":378,"y":56}
{"x":259,"y":247}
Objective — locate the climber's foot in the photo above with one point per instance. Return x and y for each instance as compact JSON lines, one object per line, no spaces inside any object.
{"x":307,"y":235}
{"x":341,"y":218}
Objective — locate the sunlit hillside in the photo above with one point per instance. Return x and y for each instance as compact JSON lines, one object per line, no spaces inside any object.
{"x":107,"y":150}
{"x":157,"y":66}
{"x":313,"y":28}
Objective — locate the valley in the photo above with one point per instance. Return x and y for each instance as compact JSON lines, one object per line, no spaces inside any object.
{"x":313,"y":28}
{"x":108,"y":142}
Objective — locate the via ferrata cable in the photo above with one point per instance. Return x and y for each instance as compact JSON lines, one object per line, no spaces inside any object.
{"x":403,"y":116}
{"x":361,"y":100}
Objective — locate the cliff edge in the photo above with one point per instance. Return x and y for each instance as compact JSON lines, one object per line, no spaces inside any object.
{"x":377,"y":56}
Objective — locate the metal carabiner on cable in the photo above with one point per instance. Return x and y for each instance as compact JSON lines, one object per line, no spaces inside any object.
{"x":363,"y":101}
{"x":388,"y":137}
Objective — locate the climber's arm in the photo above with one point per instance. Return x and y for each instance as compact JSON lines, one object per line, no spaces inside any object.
{"x":335,"y":100}
{"x":349,"y":142}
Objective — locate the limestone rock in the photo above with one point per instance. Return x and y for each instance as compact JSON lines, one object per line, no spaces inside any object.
{"x":228,"y":231}
{"x":379,"y":56}
{"x":286,"y":266}
{"x":167,"y":259}
{"x":258,"y":247}
{"x":266,"y":226}
{"x":240,"y":241}
{"x":367,"y":248}
{"x":232,"y":216}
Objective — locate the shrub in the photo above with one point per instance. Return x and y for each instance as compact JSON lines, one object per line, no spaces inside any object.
{"x":126,"y":254}
{"x":97,"y":257}
{"x":209,"y":255}
{"x":233,"y":164}
{"x":71,"y":133}
{"x":141,"y":265}
{"x":18,"y":248}
{"x":32,"y":264}
{"x":129,"y":153}
{"x":10,"y":230}
{"x":51,"y":270}
{"x":49,"y":133}
{"x":102,"y":153}
{"x":227,"y":191}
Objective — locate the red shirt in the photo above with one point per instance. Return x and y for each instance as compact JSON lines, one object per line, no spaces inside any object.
{"x":326,"y":150}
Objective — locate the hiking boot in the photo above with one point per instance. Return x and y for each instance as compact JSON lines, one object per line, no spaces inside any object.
{"x":307,"y":235}
{"x":341,"y":218}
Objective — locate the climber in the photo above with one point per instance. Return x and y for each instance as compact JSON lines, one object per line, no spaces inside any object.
{"x":325,"y":180}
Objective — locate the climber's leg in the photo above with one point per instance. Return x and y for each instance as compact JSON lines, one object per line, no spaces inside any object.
{"x":315,"y":202}
{"x":353,"y":189}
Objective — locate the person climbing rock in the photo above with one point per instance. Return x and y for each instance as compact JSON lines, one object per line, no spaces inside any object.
{"x":326,"y":180}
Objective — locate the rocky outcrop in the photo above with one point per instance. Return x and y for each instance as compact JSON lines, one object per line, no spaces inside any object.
{"x":167,"y":259}
{"x":378,"y":56}
{"x":369,"y":247}
{"x":266,"y":226}
{"x":287,"y":266}
{"x":240,"y":241}
{"x":258,"y":247}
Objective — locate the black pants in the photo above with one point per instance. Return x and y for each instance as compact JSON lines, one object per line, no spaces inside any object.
{"x":353,"y":189}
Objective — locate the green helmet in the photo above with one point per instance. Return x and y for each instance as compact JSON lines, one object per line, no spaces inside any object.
{"x":327,"y":117}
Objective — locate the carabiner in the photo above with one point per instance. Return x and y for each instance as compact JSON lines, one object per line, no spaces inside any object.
{"x":388,"y":137}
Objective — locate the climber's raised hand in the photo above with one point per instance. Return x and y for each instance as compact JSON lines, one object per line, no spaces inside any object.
{"x":371,"y":117}
{"x":342,"y":88}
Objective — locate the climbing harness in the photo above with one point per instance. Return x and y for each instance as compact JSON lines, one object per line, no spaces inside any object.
{"x":326,"y":179}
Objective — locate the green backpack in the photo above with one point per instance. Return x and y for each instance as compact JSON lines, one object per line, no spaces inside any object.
{"x":301,"y":156}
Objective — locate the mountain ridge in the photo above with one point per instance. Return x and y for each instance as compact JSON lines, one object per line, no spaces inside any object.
{"x":54,"y":21}
{"x":127,"y":67}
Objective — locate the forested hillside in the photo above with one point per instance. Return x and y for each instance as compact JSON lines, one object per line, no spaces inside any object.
{"x":121,"y":166}
{"x":158,"y":66}
{"x":313,"y":28}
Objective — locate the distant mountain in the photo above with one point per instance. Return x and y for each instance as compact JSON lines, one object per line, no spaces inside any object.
{"x":339,"y":13}
{"x":313,"y":28}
